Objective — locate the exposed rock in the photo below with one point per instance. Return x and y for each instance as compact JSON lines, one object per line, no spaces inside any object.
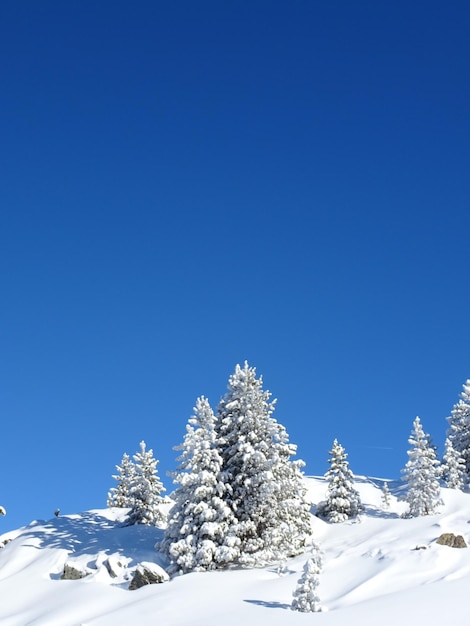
{"x":451,"y":540}
{"x":421,"y":548}
{"x":73,"y":572}
{"x":113,"y":565}
{"x":148,"y":574}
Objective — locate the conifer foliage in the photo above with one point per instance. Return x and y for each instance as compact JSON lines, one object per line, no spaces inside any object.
{"x":121,"y":496}
{"x":421,"y":473}
{"x":453,"y":467}
{"x":459,"y":428}
{"x":306,"y":598}
{"x":342,"y":499}
{"x":197,"y":536}
{"x":146,"y":488}
{"x":263,"y":486}
{"x":240,"y":499}
{"x":386,"y":496}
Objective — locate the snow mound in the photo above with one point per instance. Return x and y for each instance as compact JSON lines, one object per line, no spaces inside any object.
{"x":378,"y":567}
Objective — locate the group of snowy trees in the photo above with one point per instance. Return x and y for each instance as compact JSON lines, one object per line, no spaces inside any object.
{"x":139,"y":488}
{"x":240,"y":498}
{"x":457,"y":448}
{"x":422,"y":473}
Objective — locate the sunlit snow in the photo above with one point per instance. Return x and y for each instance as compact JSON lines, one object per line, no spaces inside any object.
{"x":380,"y":569}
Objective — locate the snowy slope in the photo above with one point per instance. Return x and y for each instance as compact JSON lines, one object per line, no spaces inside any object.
{"x":372,"y":572}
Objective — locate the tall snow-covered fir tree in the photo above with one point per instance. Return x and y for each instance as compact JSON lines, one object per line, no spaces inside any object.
{"x":146,"y":489}
{"x":306,"y":598}
{"x":459,"y":428}
{"x":342,"y":499}
{"x":263,"y":486}
{"x":453,"y":467}
{"x":421,"y":473}
{"x":197,"y":536}
{"x":121,"y":495}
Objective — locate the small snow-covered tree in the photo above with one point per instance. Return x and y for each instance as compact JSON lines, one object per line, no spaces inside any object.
{"x":146,"y":489}
{"x":263,"y":486}
{"x":421,"y":472}
{"x":121,"y":495}
{"x":342,"y":499}
{"x":306,"y":598}
{"x":459,"y":428}
{"x":197,"y":536}
{"x":453,"y":467}
{"x":386,"y":496}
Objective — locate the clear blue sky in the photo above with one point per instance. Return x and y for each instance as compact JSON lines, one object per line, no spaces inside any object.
{"x":186,"y":185}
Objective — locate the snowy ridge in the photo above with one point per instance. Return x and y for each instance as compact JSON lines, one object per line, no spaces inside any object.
{"x":379,"y":568}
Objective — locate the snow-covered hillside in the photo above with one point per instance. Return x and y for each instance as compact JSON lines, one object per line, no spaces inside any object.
{"x":381,"y":569}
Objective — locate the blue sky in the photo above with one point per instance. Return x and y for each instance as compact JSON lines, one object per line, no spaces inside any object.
{"x":188,"y":185}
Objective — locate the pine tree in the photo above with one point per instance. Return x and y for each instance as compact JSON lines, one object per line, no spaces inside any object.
{"x":342,"y":500}
{"x":459,"y":428}
{"x":453,"y":467}
{"x":121,"y":496}
{"x":146,"y":490}
{"x":305,"y":594}
{"x":197,"y":536}
{"x":263,"y":486}
{"x":421,"y":473}
{"x":385,"y":496}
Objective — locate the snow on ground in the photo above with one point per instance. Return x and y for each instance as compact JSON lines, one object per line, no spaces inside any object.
{"x":381,"y":569}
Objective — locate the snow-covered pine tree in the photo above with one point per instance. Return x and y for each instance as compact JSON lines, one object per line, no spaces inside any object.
{"x":459,"y":428}
{"x":146,"y":490}
{"x":342,"y":500}
{"x":453,"y":467}
{"x":263,"y":486}
{"x":197,"y":536}
{"x":305,"y":594}
{"x":385,"y":496}
{"x":121,"y":496}
{"x":421,"y":472}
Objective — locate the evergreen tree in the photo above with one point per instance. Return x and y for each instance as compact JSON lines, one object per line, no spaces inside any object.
{"x":421,"y":472}
{"x":121,"y":496}
{"x":197,"y":536}
{"x":305,"y":594}
{"x":146,"y":490}
{"x":263,"y":486}
{"x":385,"y":496}
{"x":342,"y":500}
{"x":453,"y":467}
{"x":459,"y":428}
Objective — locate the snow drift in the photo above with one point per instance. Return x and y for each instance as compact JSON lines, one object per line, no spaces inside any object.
{"x":379,"y":568}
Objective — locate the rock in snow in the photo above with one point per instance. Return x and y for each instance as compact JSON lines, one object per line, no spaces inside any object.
{"x":148,"y":574}
{"x":74,"y":572}
{"x":451,"y":540}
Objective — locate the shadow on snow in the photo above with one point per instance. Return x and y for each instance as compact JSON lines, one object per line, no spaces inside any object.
{"x":269,"y":605}
{"x":91,"y":533}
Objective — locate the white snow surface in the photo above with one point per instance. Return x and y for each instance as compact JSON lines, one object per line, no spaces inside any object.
{"x":372,"y":572}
